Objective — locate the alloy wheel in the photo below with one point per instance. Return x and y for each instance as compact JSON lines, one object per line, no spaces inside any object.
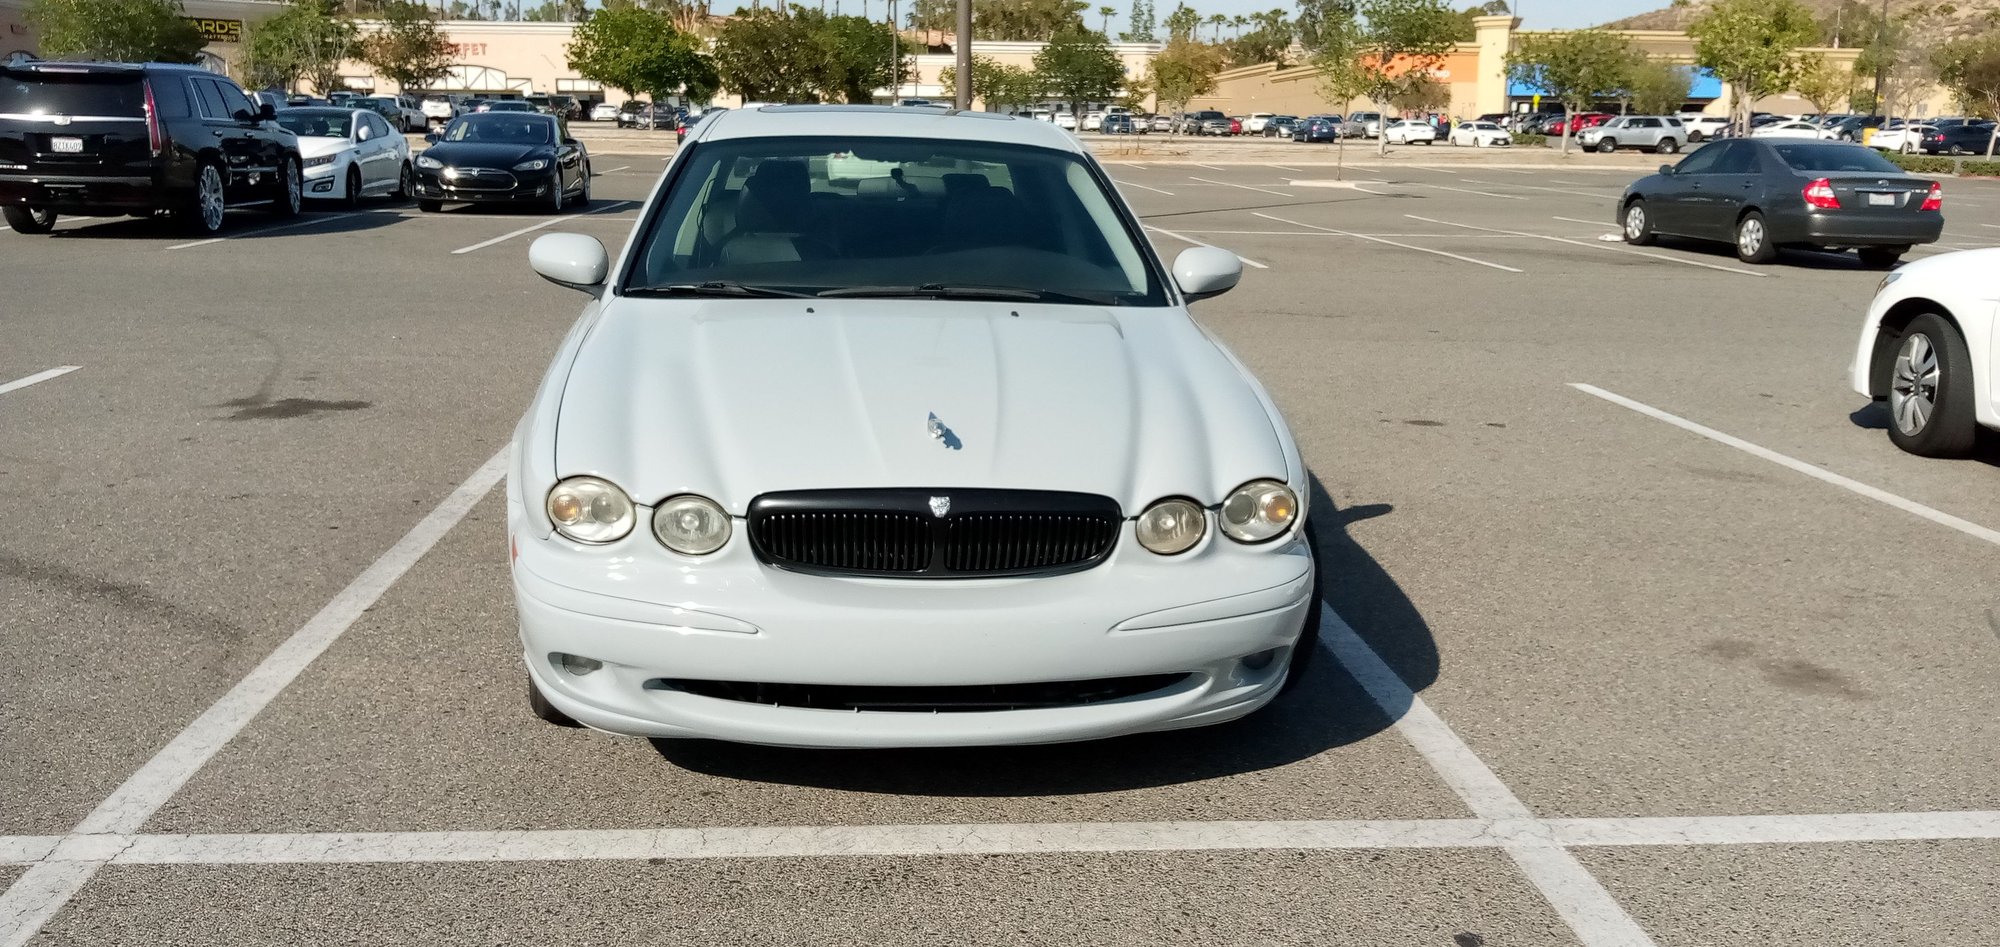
{"x":1635,"y":223}
{"x":1913,"y":384}
{"x":294,"y":195}
{"x":208,"y":196}
{"x":1750,"y":236}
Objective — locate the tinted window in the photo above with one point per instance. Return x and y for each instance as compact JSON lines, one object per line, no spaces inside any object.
{"x":210,"y":98}
{"x":1818,"y":157}
{"x":1737,"y":158}
{"x":817,"y":214}
{"x":381,"y":128}
{"x":75,"y":94}
{"x":233,"y":98}
{"x":495,"y":126}
{"x":317,"y":123}
{"x":1702,"y":161}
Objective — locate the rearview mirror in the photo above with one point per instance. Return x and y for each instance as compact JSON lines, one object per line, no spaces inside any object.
{"x":432,"y":137}
{"x":572,"y":260}
{"x":1202,"y":272}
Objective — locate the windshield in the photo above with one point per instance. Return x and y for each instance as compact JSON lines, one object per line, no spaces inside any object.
{"x":847,"y":216}
{"x":317,"y":123}
{"x":506,"y":129}
{"x":1831,"y":157}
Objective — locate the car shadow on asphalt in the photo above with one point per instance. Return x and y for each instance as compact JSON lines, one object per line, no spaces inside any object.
{"x":1327,"y":709}
{"x":238,"y":225}
{"x":1788,"y":258}
{"x":1874,"y":416}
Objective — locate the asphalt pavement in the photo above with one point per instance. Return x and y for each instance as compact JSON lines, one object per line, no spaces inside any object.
{"x":1598,"y":678}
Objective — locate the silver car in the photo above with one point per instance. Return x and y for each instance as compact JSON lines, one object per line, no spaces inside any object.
{"x":1662,"y":133}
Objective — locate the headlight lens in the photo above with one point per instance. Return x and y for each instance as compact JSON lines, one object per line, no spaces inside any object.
{"x":691,"y":525}
{"x":1259,"y":510}
{"x":429,"y":163}
{"x":321,"y":161}
{"x":1172,"y":526}
{"x":535,"y":165}
{"x":590,"y":510}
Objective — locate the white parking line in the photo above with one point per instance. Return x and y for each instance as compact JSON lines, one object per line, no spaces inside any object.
{"x":1283,"y":168}
{"x":1615,"y":248}
{"x":46,"y":887}
{"x":1905,"y":504}
{"x":1142,"y":187}
{"x":309,"y":221}
{"x":1406,"y":246}
{"x":1243,"y":186}
{"x":1994,"y":226}
{"x":1187,"y":239}
{"x":1778,"y":829}
{"x":1537,"y":187}
{"x":1211,"y":167}
{"x":503,"y":238}
{"x":1593,"y":223}
{"x":1467,"y":190}
{"x":37,"y":378}
{"x":612,"y":170}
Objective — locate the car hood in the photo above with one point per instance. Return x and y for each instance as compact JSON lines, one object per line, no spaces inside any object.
{"x":314,"y":146}
{"x":735,"y":398}
{"x":479,"y":154}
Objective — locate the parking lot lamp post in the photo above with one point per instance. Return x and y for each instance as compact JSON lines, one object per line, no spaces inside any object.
{"x":964,"y":51}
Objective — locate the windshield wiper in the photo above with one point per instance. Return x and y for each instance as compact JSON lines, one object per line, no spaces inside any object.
{"x":941,"y":291}
{"x":715,"y":288}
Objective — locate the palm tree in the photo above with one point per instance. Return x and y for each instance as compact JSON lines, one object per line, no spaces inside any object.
{"x":1218,"y":21}
{"x":1106,"y":12}
{"x":1239,"y":22}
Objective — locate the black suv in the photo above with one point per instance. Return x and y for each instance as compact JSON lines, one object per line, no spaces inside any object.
{"x":105,"y":139}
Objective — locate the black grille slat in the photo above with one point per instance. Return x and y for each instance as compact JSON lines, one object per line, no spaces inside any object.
{"x":984,"y":533}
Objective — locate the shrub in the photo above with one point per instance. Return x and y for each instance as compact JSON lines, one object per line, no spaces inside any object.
{"x":1923,"y":164}
{"x":1980,"y":168}
{"x":1532,"y":141}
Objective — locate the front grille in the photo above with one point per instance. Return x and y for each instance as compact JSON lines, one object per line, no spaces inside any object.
{"x":481,"y":179}
{"x":961,"y":699}
{"x":899,"y":532}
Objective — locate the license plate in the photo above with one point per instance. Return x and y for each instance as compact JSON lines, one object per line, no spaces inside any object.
{"x":1881,"y":200}
{"x":66,"y":146}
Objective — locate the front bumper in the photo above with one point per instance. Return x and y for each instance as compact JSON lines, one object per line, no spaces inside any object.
{"x":733,"y":619}
{"x":528,"y":186}
{"x":83,"y":194}
{"x":326,"y":181}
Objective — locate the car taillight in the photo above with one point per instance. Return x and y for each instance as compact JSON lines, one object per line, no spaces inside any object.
{"x":1935,"y":199}
{"x":1820,"y":194}
{"x":155,"y":137}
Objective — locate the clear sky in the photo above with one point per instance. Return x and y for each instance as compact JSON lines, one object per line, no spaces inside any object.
{"x":1534,"y":14}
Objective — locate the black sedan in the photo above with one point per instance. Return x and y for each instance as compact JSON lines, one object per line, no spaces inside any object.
{"x":1965,"y":139}
{"x":1317,"y":128}
{"x":1763,"y":194}
{"x":1280,"y":126}
{"x":505,"y":157}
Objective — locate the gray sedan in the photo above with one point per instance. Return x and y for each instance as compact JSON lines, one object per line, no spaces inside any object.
{"x":1765,"y":194}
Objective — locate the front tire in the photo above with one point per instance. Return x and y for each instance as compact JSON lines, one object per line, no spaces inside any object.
{"x":1606,"y":146}
{"x":1638,"y":224}
{"x":1308,"y":644}
{"x":583,"y":197}
{"x":1753,"y":240}
{"x":1930,"y":391}
{"x":1667,"y":146}
{"x":555,"y":203}
{"x":406,"y":183}
{"x":30,"y":220}
{"x":291,"y":189}
{"x":352,"y":199}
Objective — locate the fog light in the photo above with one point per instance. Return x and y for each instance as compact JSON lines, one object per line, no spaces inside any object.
{"x":578,"y":664}
{"x":1260,"y":660}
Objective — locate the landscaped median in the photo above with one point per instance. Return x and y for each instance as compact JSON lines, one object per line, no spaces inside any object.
{"x":1975,"y":167}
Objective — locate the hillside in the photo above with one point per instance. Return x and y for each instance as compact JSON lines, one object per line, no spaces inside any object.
{"x":1972,"y":14}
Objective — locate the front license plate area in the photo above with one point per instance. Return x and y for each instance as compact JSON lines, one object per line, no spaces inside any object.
{"x":65,"y":145}
{"x":1881,"y":200}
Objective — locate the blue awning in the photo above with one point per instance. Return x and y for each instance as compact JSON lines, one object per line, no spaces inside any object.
{"x":1704,"y":86}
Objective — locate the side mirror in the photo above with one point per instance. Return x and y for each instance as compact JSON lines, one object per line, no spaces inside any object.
{"x":572,"y":260}
{"x":266,"y":112}
{"x":1202,"y":272}
{"x":1667,"y":169}
{"x":433,"y":137}
{"x":362,"y":133}
{"x":570,"y":142}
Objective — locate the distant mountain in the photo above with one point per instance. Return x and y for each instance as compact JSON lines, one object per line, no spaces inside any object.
{"x":1971,"y":14}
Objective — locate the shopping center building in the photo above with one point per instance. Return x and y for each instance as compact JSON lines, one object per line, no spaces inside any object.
{"x":514,"y":59}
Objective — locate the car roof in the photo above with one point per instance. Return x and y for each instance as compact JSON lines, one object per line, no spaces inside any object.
{"x":885,"y":121}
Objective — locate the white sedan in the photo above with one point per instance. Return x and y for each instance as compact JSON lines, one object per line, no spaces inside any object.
{"x":1409,"y":131}
{"x":350,"y":154}
{"x":1903,"y":137}
{"x":604,"y":112}
{"x":985,"y":483}
{"x":1929,"y":347}
{"x":1479,"y":134}
{"x":1792,"y":130}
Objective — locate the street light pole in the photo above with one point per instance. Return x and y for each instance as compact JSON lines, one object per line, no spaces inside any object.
{"x":963,"y":47}
{"x":1881,"y":55}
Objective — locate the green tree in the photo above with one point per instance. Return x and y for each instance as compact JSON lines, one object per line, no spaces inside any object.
{"x":1180,"y":72}
{"x":1104,"y":16}
{"x":1269,"y":42}
{"x":1140,"y":27}
{"x":115,"y":30}
{"x":1574,"y":68}
{"x":803,"y":55}
{"x":1820,"y":82}
{"x":1422,"y":95}
{"x":1018,"y":20}
{"x":407,"y":48}
{"x":1657,"y":87}
{"x":1183,"y":22}
{"x":856,"y":55}
{"x":638,"y":51}
{"x":998,"y":86}
{"x":1465,"y":31}
{"x":1077,"y":67}
{"x":1218,"y":21}
{"x":1402,"y":43}
{"x":304,"y":43}
{"x":1970,"y":68}
{"x":1752,"y":45}
{"x":1343,"y":75}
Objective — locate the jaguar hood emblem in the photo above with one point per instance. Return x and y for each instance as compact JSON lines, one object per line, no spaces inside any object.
{"x":940,"y":506}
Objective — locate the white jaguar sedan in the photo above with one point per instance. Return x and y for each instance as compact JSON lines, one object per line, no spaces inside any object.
{"x":1929,"y":346}
{"x":887,"y":428}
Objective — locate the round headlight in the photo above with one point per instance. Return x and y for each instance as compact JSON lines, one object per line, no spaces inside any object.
{"x":535,"y":165}
{"x":429,"y":163}
{"x":590,"y":510}
{"x":1259,"y":510}
{"x":691,"y":525}
{"x":1172,"y":526}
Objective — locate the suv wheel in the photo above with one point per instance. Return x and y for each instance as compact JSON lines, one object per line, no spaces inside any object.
{"x":1667,"y":146}
{"x":30,"y":220}
{"x":205,"y":214}
{"x":1607,"y":145}
{"x":1930,"y":391}
{"x":292,"y":192}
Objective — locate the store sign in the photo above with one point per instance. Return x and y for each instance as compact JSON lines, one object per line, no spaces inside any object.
{"x":218,"y":31}
{"x":468,"y":49}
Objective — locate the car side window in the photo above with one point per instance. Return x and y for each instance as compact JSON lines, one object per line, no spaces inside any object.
{"x":233,"y":99}
{"x":378,"y":127}
{"x":1739,"y":158}
{"x":210,"y":98}
{"x":1703,"y":161}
